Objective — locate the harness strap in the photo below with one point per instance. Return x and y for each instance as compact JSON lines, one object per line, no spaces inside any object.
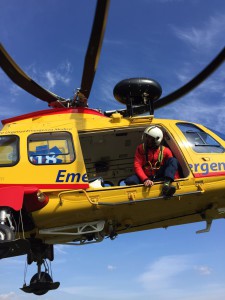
{"x":159,"y":159}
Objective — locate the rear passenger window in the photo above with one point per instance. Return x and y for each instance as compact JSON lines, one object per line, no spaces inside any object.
{"x":9,"y":150}
{"x":50,"y":148}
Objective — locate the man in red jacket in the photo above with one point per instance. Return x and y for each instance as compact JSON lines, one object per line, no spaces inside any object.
{"x":154,"y":162}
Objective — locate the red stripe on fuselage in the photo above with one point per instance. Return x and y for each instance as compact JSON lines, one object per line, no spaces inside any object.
{"x":54,"y":111}
{"x":210,"y":174}
{"x":50,"y":186}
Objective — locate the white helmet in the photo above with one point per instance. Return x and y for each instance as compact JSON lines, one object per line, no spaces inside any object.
{"x":156,"y":133}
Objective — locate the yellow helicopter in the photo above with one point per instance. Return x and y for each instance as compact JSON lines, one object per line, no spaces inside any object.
{"x":63,"y":169}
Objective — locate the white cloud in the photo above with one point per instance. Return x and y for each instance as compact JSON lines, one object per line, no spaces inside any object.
{"x":192,"y":109}
{"x":14,"y":90}
{"x":111,"y":267}
{"x":60,"y":75}
{"x":51,"y":79}
{"x":204,"y":105}
{"x":161,"y":273}
{"x":205,"y":37}
{"x":65,"y":67}
{"x":101,"y":292}
{"x":177,"y":277}
{"x":203,"y":270}
{"x":9,"y":296}
{"x":48,"y":79}
{"x":61,"y":249}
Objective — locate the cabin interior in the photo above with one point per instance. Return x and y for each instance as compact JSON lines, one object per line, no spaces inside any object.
{"x":109,"y":154}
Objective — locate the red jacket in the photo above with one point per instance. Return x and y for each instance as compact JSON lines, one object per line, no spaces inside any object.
{"x":145,"y":168}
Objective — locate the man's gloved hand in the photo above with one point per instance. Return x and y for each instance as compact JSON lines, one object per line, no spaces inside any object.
{"x":148,"y":182}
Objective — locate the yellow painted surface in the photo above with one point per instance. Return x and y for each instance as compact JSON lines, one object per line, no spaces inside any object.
{"x":129,"y":208}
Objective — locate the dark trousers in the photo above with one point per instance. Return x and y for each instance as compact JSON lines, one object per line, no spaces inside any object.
{"x":166,"y":171}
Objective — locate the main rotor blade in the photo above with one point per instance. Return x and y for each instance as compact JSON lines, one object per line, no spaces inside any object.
{"x":215,"y":63}
{"x":94,"y":47}
{"x":18,"y":76}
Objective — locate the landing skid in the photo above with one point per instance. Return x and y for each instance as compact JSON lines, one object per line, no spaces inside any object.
{"x":14,"y":248}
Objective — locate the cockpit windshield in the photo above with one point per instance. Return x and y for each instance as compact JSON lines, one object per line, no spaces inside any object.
{"x":199,"y":140}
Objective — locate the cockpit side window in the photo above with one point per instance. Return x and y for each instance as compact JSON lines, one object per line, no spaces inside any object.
{"x":200,"y":141}
{"x":9,"y":150}
{"x":50,"y":148}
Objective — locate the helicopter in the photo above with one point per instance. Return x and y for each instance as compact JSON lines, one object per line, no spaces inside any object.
{"x":72,"y":191}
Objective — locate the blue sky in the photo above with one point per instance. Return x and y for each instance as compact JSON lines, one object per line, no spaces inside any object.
{"x":168,"y":40}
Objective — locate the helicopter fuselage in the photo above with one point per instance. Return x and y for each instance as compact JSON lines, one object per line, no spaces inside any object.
{"x":66,"y":168}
